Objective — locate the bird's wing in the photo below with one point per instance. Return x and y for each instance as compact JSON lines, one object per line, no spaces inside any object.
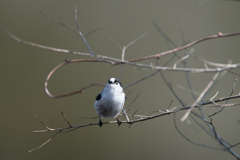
{"x":99,"y":96}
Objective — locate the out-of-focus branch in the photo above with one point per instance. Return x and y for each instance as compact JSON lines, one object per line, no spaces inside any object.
{"x":116,"y":61}
{"x":200,"y":97}
{"x":159,"y":55}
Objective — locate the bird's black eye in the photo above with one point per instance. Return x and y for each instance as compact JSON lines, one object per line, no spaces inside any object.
{"x":114,"y":81}
{"x":117,"y":82}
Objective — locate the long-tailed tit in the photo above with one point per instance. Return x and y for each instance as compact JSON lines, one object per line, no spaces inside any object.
{"x":109,"y":103}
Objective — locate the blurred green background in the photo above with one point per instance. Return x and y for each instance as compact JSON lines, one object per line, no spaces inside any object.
{"x":24,"y":69}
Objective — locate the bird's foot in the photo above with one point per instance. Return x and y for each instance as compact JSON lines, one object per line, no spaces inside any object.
{"x":119,"y":121}
{"x":100,"y":123}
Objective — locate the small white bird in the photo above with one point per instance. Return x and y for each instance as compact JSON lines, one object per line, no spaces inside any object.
{"x":109,"y":103}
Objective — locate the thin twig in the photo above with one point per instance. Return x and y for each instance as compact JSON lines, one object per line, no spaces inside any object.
{"x":188,"y":90}
{"x":135,"y":112}
{"x":72,"y":93}
{"x":211,"y":99}
{"x":217,"y":137}
{"x":63,"y":24}
{"x":166,"y":110}
{"x":115,"y":42}
{"x":127,"y":108}
{"x":235,"y":145}
{"x":80,"y":33}
{"x":182,"y":103}
{"x":226,"y":102}
{"x":202,"y":145}
{"x":50,"y":129}
{"x":182,"y":59}
{"x":151,"y":75}
{"x":91,"y":32}
{"x":65,"y":118}
{"x":233,"y":72}
{"x":159,"y":55}
{"x":45,"y":142}
{"x":125,"y":114}
{"x":199,"y":97}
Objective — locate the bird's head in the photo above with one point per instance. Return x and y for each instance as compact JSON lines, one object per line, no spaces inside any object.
{"x":114,"y":84}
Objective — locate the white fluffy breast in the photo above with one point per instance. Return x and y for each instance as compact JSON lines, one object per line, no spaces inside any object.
{"x":112,"y":101}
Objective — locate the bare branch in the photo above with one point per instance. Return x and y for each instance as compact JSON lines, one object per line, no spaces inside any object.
{"x":50,"y":129}
{"x":188,"y":90}
{"x":159,"y":55}
{"x":127,"y":108}
{"x":233,"y":72}
{"x":45,"y":142}
{"x":80,"y":33}
{"x":72,"y":93}
{"x":213,"y":63}
{"x":226,"y":102}
{"x":65,"y":118}
{"x":211,"y":99}
{"x":67,"y":26}
{"x":235,"y":145}
{"x":202,"y":145}
{"x":166,"y":110}
{"x":142,"y":118}
{"x":217,"y":137}
{"x":129,"y":44}
{"x":137,"y":39}
{"x":129,"y":62}
{"x":92,"y":32}
{"x":200,"y":96}
{"x":115,"y":42}
{"x":76,"y":21}
{"x":151,"y":75}
{"x":124,"y":112}
{"x":183,"y":58}
{"x":135,"y":112}
{"x":170,"y":86}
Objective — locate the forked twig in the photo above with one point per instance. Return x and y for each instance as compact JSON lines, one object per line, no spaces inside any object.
{"x":185,"y":137}
{"x":199,"y":97}
{"x":80,"y":33}
{"x":45,"y":142}
{"x":65,"y":118}
{"x":226,"y":102}
{"x":50,"y":129}
{"x":128,"y":107}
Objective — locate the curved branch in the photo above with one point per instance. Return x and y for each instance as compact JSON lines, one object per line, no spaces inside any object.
{"x":75,"y":92}
{"x":124,"y":62}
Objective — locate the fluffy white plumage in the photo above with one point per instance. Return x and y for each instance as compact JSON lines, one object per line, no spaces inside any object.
{"x":109,"y":103}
